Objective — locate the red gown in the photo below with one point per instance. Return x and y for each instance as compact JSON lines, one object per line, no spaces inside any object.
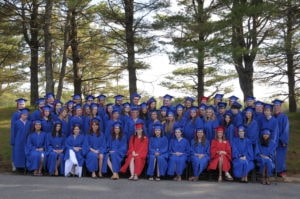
{"x":140,"y":146}
{"x":220,"y":146}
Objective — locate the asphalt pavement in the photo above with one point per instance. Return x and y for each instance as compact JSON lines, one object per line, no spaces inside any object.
{"x":14,"y":186}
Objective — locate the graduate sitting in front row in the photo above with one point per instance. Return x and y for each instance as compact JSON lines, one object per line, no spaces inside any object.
{"x":158,"y":153}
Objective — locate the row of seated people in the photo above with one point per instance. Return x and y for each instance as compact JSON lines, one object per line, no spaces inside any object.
{"x":67,"y":156}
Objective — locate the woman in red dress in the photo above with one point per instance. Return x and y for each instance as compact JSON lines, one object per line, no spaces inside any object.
{"x":137,"y":153}
{"x":220,"y":153}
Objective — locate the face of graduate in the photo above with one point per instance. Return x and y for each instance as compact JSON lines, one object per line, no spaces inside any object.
{"x":171,"y":117}
{"x":267,"y":112}
{"x":241,"y":133}
{"x":77,"y":101}
{"x":157,"y":132}
{"x":249,"y":103}
{"x":116,"y":115}
{"x":221,"y":110}
{"x":134,"y":114}
{"x":216,"y":101}
{"x":21,"y":105}
{"x":87,"y":111}
{"x":117,"y":130}
{"x":259,"y":108}
{"x":41,"y":104}
{"x":95,"y":127}
{"x":163,"y":113}
{"x":202,"y":111}
{"x":89,"y":101}
{"x":135,"y":100}
{"x":167,"y":102}
{"x":95,"y":111}
{"x":144,"y":110}
{"x":57,"y":127}
{"x":139,"y":131}
{"x":70,"y":106}
{"x":127,"y":109}
{"x":277,"y":108}
{"x":234,"y":111}
{"x":46,"y":113}
{"x":64,"y":113}
{"x":76,"y":130}
{"x":58,"y":106}
{"x":154,"y":116}
{"x":153,"y":105}
{"x":178,"y":134}
{"x":79,"y":112}
{"x":38,"y":127}
{"x":50,"y":100}
{"x":109,"y":109}
{"x":193,"y":113}
{"x":101,"y":101}
{"x":209,"y":113}
{"x":119,"y":102}
{"x":266,"y":136}
{"x":188,"y":103}
{"x":249,"y":115}
{"x":24,"y":117}
{"x":179,"y":111}
{"x":227,"y":119}
{"x":200,"y":134}
{"x":220,"y":134}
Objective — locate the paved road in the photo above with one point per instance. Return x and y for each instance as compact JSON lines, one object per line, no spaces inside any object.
{"x":30,"y":187}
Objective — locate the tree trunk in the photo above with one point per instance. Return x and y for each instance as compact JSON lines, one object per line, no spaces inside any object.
{"x":48,"y":47}
{"x":290,"y":61}
{"x":130,"y":46}
{"x":64,"y":56}
{"x":75,"y":54}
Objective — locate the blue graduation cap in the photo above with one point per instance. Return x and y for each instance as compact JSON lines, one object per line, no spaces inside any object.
{"x":228,"y":114}
{"x":126,"y":104}
{"x":117,"y":124}
{"x":250,"y":98}
{"x":39,"y":101}
{"x":241,"y":128}
{"x":178,"y":128}
{"x":163,"y":108}
{"x":76,"y":124}
{"x":249,"y":109}
{"x":152,"y":99}
{"x":194,"y":108}
{"x":109,"y":104}
{"x":119,"y":97}
{"x":93,"y":105}
{"x":277,"y":102}
{"x":233,"y":98}
{"x":222,"y":104}
{"x":268,"y":106}
{"x":101,"y":97}
{"x":154,"y":111}
{"x":86,"y":106}
{"x":135,"y":95}
{"x":189,"y":99}
{"x":89,"y":98}
{"x":57,"y":122}
{"x":47,"y":108}
{"x":179,"y":106}
{"x":258,"y":103}
{"x":210,"y":107}
{"x":57,"y":101}
{"x":218,"y":96}
{"x":198,"y":129}
{"x":134,"y":108}
{"x":21,"y":100}
{"x":115,"y":110}
{"x":25,"y":111}
{"x":76,"y":96}
{"x":170,"y":113}
{"x":265,"y":132}
{"x":167,"y":96}
{"x":49,"y":95}
{"x":78,"y":106}
{"x":70,"y":102}
{"x":157,"y":126}
{"x":143,"y":105}
{"x":95,"y":120}
{"x":236,"y":105}
{"x":202,"y":106}
{"x":37,"y":122}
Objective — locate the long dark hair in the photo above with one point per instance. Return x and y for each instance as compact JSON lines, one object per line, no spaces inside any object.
{"x":54,"y":130}
{"x":113,"y":134}
{"x":91,"y":128}
{"x":203,"y":139}
{"x":264,"y":142}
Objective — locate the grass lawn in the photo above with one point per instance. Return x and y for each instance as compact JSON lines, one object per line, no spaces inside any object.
{"x":293,"y":159}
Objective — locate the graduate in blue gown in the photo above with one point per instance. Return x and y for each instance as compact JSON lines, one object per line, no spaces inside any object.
{"x":47,"y":121}
{"x":115,"y":117}
{"x":200,"y":153}
{"x":95,"y":149}
{"x":77,"y":118}
{"x":283,"y":138}
{"x":129,"y":127}
{"x":242,"y":155}
{"x":269,"y":122}
{"x":192,"y":123}
{"x":210,"y":123}
{"x":229,"y":127}
{"x":154,"y":119}
{"x":265,"y":152}
{"x":37,"y":114}
{"x":168,"y":127}
{"x":251,"y":125}
{"x":237,"y":118}
{"x":18,"y":137}
{"x":63,"y":118}
{"x":116,"y":151}
{"x":36,"y":149}
{"x":57,"y":107}
{"x":74,"y":155}
{"x":180,"y":117}
{"x":179,"y":150}
{"x":157,"y":153}
{"x":55,"y":150}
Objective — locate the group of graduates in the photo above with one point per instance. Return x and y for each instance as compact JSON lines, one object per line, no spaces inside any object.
{"x":114,"y":137}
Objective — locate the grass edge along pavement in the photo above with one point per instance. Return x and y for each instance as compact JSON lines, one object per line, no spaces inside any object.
{"x":293,"y":159}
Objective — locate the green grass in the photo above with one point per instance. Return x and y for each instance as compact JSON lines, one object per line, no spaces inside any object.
{"x":293,"y":159}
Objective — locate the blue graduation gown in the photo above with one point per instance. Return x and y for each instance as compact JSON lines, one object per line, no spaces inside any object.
{"x":252,"y":132}
{"x":55,"y":143}
{"x":76,"y":120}
{"x":119,"y":146}
{"x":242,"y":147}
{"x":108,"y":128}
{"x":209,"y":128}
{"x":200,"y":164}
{"x":87,"y":123}
{"x":47,"y":125}
{"x":237,"y":119}
{"x":230,"y":133}
{"x":266,"y":162}
{"x":283,"y":135}
{"x":129,"y":128}
{"x":36,"y":115}
{"x":150,"y":128}
{"x":272,"y":125}
{"x":191,"y":126}
{"x":18,"y":142}
{"x":160,"y":145}
{"x":75,"y":142}
{"x":35,"y":140}
{"x":65,"y":128}
{"x":97,"y":143}
{"x":177,"y":164}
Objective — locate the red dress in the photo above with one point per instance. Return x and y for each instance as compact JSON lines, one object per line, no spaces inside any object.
{"x":140,"y":146}
{"x":220,"y":146}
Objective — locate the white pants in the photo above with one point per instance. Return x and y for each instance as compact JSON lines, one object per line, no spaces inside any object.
{"x":71,"y":165}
